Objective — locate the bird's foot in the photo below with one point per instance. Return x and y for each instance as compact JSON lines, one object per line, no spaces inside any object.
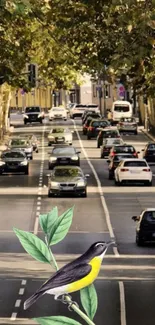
{"x":63,"y":299}
{"x":70,"y":305}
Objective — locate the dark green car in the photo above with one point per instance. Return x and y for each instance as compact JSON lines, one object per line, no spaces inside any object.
{"x":67,"y":180}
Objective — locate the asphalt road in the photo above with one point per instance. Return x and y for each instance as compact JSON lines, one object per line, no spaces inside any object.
{"x":126,"y":282}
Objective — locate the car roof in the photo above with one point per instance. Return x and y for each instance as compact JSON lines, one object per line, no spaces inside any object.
{"x":121,"y":102}
{"x":124,"y":154}
{"x":149,"y":209}
{"x":133,"y":159}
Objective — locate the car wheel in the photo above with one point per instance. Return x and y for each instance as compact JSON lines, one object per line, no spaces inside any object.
{"x":37,"y":151}
{"x":27,"y":171}
{"x":149,"y":183}
{"x":136,"y":133}
{"x":50,"y":194}
{"x":49,"y":144}
{"x":84,"y":194}
{"x":41,"y":121}
{"x":88,"y":137}
{"x":31,"y":158}
{"x":102,"y":156}
{"x":49,"y":166}
{"x":98,"y":145}
{"x":73,"y":117}
{"x":139,"y":241}
{"x":25,"y":122}
{"x":84,"y":132}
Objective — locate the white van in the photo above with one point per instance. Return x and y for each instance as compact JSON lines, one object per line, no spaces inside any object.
{"x":121,"y":108}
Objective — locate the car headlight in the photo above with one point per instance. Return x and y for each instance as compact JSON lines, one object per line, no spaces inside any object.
{"x":2,"y":163}
{"x":26,"y":116}
{"x":40,"y":115}
{"x":52,"y":159}
{"x":24,"y":163}
{"x":54,"y":184}
{"x":74,"y":158}
{"x":50,"y":137}
{"x":81,"y":183}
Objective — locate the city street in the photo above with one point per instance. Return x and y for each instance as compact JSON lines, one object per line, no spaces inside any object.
{"x":126,"y":283}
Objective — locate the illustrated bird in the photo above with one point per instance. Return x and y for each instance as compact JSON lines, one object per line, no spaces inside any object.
{"x":74,"y":276}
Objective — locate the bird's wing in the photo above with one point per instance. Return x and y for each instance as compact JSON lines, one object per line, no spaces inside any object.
{"x":63,"y":277}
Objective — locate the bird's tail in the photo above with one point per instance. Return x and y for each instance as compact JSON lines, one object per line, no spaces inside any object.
{"x":30,"y":301}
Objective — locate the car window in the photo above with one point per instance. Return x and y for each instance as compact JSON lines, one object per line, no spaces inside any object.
{"x":124,"y":149}
{"x":19,"y":142}
{"x":67,"y":172}
{"x":151,"y":146}
{"x":128,"y":119}
{"x":121,"y":108}
{"x":32,"y":110}
{"x":12,"y":155}
{"x":57,"y":131}
{"x":149,"y":216}
{"x":135,"y":163}
{"x":64,"y":151}
{"x":99,"y":123}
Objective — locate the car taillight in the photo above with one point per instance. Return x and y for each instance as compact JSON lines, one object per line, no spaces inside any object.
{"x":146,"y":170}
{"x":118,"y":136}
{"x":91,"y":128}
{"x":124,"y":169}
{"x":113,"y":154}
{"x":135,"y":154}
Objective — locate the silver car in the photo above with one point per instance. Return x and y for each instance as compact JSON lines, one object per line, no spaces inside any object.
{"x":128,"y":124}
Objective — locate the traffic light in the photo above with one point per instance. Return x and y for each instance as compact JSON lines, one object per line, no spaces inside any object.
{"x":32,"y":75}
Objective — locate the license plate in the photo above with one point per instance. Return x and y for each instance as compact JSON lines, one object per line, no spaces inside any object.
{"x":12,"y":167}
{"x":67,"y":188}
{"x":134,"y":172}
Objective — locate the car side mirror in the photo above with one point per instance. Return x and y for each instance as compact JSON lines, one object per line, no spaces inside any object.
{"x":87,"y":175}
{"x":135,"y":218}
{"x":142,"y":149}
{"x":78,"y":152}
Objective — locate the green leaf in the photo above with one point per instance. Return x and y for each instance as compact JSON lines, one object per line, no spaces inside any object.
{"x":56,"y":320}
{"x":89,"y":300}
{"x":46,"y":220}
{"x":60,"y":227}
{"x":33,"y":245}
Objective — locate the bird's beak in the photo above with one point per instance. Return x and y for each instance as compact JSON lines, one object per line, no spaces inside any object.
{"x":111,"y":243}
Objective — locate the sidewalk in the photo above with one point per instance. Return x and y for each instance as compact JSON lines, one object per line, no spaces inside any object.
{"x":149,"y":135}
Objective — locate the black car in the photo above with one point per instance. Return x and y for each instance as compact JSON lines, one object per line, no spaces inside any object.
{"x":94,"y":126}
{"x":67,"y":180}
{"x":115,"y":162}
{"x":33,"y":114}
{"x":107,"y":133}
{"x":92,"y":114}
{"x":149,"y":152}
{"x":13,"y":161}
{"x":145,"y":229}
{"x":108,"y":144}
{"x":64,"y":155}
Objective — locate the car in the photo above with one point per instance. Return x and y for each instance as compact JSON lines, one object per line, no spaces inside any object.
{"x":120,"y":108}
{"x":64,"y":155}
{"x":67,"y":180}
{"x":33,"y":114}
{"x":77,"y":110}
{"x":145,"y":228}
{"x":87,"y":122}
{"x":149,"y":152}
{"x":124,"y":148}
{"x":128,"y":124}
{"x":33,"y":140}
{"x":57,"y":113}
{"x":60,"y":135}
{"x":13,"y":161}
{"x":133,"y":170}
{"x":94,"y":127}
{"x":93,"y":107}
{"x":23,"y":144}
{"x":108,"y":132}
{"x":91,"y":114}
{"x":107,"y":145}
{"x":113,"y":164}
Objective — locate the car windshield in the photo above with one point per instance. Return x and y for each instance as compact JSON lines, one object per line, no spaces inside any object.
{"x":127,"y":119}
{"x":32,"y":110}
{"x":121,"y":108}
{"x":99,"y":123}
{"x":151,"y":146}
{"x":135,"y":163}
{"x":19,"y":142}
{"x":64,"y":151}
{"x":57,"y":130}
{"x":81,"y":106}
{"x":124,"y":149}
{"x":12,"y":155}
{"x":68,"y":172}
{"x":108,"y":142}
{"x":110,"y":134}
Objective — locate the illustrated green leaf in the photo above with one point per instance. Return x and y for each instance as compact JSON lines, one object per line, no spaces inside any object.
{"x":46,"y":220}
{"x":60,"y":227}
{"x":56,"y":320}
{"x":33,"y":245}
{"x":89,"y":300}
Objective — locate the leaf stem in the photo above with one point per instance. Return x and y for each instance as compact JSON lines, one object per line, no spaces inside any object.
{"x":67,"y":297}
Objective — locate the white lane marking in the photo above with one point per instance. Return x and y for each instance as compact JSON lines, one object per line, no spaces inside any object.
{"x":39,"y":198}
{"x":13,"y":316}
{"x":38,"y":208}
{"x":17,"y":303}
{"x":105,"y":208}
{"x":21,"y":291}
{"x":122,"y":303}
{"x":24,"y":282}
{"x":38,"y":203}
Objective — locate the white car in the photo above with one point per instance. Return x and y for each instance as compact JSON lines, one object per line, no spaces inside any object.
{"x":77,"y":110}
{"x":57,"y":113}
{"x":133,"y":170}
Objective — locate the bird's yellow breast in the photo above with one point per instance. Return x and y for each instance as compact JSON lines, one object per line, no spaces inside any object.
{"x":88,"y":279}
